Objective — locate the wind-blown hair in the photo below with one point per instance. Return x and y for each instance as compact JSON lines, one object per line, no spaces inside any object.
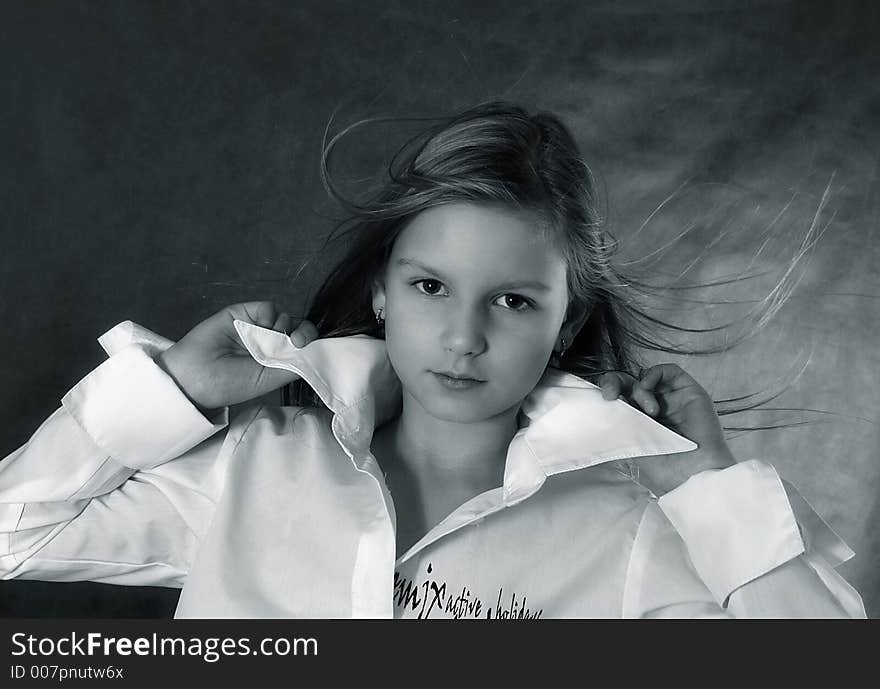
{"x":497,"y":153}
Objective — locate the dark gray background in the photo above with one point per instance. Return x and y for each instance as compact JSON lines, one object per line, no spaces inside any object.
{"x":159,"y":161}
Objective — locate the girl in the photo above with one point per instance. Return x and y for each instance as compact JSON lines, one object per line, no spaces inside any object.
{"x":449,"y":455}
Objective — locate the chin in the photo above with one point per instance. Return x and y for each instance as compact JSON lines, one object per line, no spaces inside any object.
{"x":449,"y":410}
{"x":459,"y":410}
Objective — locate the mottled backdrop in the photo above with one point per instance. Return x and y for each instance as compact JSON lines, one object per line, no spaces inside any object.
{"x":160,"y":160}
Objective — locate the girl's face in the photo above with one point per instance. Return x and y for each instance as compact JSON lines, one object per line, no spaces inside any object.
{"x":476,"y":291}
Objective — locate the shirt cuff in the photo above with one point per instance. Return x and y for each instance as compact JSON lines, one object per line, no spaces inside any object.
{"x":136,"y":412}
{"x":818,"y":536}
{"x":737,"y":524}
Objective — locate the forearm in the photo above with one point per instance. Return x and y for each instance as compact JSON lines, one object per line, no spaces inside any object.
{"x":65,"y":498}
{"x":791,"y":590}
{"x":755,"y":555}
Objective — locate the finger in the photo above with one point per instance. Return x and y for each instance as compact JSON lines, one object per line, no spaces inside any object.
{"x":615,"y":384}
{"x":651,"y":377}
{"x":645,"y":390}
{"x":668,"y":377}
{"x":669,"y":384}
{"x":261,"y":313}
{"x":304,"y":333}
{"x":609,"y":385}
{"x":646,"y":399}
{"x":284,"y":323}
{"x":621,"y":384}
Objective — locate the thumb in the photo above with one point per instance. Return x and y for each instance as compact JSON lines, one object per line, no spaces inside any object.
{"x":261,"y":313}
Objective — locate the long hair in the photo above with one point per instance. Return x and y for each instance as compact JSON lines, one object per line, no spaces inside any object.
{"x":496,"y":153}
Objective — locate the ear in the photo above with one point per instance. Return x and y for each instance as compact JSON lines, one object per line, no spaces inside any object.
{"x":574,"y":321}
{"x":378,"y":291}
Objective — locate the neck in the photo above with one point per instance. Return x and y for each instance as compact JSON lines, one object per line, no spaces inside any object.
{"x":451,"y":452}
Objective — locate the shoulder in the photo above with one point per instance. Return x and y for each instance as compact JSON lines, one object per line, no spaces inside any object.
{"x":660,"y":576}
{"x":606,"y":492}
{"x":609,"y":478}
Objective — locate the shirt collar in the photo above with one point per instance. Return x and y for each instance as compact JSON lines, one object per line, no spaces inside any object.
{"x":569,"y":424}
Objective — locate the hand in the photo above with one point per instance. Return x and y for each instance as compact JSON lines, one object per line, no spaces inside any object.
{"x":668,"y":394}
{"x":214,"y":369}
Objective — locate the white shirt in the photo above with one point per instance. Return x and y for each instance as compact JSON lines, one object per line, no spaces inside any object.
{"x":287,"y":514}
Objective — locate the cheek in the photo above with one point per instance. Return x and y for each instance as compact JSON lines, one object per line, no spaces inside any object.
{"x":526,"y":342}
{"x":526,"y":359}
{"x":407,"y":345}
{"x":409,"y":332}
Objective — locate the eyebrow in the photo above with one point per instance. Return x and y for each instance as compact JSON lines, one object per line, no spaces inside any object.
{"x":533,"y":284}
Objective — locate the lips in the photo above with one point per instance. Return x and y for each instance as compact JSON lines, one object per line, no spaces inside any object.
{"x":458,"y":383}
{"x":459,"y":376}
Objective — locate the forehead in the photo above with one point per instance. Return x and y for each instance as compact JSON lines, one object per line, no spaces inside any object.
{"x":485,"y":240}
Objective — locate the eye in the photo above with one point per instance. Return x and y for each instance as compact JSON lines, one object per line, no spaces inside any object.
{"x":515,"y":302}
{"x":428,"y":286}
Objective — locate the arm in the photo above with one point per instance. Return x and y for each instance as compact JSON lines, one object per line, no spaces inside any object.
{"x":94,"y":494}
{"x":758,"y":547}
{"x":119,"y":485}
{"x":755,"y":551}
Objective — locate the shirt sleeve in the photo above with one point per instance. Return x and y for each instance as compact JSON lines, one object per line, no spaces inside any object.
{"x":757,"y":547}
{"x":661,"y":581}
{"x":117,"y":485}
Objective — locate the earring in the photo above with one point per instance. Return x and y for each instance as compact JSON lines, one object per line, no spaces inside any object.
{"x":557,"y":355}
{"x":379,"y":319}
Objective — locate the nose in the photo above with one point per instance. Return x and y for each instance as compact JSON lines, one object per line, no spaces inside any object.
{"x":465,"y":332}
